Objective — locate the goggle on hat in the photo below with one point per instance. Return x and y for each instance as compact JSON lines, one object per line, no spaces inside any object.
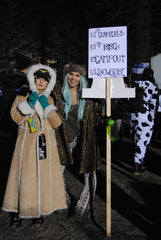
{"x":42,"y":73}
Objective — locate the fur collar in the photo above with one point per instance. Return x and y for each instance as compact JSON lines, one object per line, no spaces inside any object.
{"x":31,"y":79}
{"x":32,"y":86}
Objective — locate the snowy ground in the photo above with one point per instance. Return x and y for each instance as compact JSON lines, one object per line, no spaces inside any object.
{"x":136,"y":202}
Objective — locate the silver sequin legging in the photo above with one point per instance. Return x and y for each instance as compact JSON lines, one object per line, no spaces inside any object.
{"x":84,"y":205}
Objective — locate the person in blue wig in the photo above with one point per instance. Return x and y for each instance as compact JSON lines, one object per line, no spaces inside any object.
{"x":76,"y":137}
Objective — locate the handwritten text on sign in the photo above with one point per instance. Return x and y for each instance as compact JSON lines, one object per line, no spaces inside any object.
{"x":107,"y":52}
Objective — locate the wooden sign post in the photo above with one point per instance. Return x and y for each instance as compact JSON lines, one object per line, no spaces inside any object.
{"x":108,"y":88}
{"x":108,"y":161}
{"x":107,"y":66}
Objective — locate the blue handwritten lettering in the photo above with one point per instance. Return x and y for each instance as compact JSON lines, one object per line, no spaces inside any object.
{"x":110,"y":34}
{"x":108,"y":58}
{"x":112,"y":72}
{"x":111,"y":46}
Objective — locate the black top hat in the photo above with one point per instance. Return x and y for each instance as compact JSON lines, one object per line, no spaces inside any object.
{"x":148,"y":72}
{"x":148,"y":75}
{"x":23,"y":62}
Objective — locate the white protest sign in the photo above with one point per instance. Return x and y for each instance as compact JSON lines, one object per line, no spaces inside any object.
{"x":107,"y":57}
{"x":107,"y":65}
{"x":156,"y":66}
{"x":107,"y":52}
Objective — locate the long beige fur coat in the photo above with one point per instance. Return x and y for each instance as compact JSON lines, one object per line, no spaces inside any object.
{"x":35,"y":187}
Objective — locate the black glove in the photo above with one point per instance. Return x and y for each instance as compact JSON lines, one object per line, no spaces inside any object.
{"x":23,"y":90}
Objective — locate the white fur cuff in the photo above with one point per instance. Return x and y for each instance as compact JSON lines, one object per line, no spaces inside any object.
{"x":48,"y":110}
{"x":24,"y":108}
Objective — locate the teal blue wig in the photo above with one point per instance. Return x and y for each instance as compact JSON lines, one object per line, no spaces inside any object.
{"x":67,"y":94}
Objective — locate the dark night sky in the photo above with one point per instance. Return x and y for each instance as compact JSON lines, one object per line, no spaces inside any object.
{"x":61,"y":27}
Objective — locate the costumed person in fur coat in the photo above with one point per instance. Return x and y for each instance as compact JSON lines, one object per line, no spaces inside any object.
{"x":77,"y":136}
{"x":35,"y":186}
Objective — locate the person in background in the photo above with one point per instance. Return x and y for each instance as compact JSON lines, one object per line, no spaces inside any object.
{"x":12,"y":87}
{"x":8,"y":128}
{"x":19,"y":78}
{"x":142,"y":124}
{"x":35,"y":186}
{"x":14,"y":82}
{"x":77,"y":137}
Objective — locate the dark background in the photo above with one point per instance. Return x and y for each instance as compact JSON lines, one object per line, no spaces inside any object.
{"x":56,"y":31}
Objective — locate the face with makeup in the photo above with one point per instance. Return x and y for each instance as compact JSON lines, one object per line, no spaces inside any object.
{"x":74,"y":79}
{"x":41,"y":84}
